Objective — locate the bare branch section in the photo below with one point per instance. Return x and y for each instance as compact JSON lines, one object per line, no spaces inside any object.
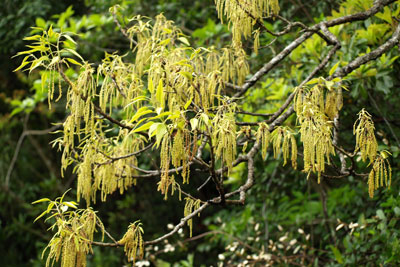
{"x":21,"y":139}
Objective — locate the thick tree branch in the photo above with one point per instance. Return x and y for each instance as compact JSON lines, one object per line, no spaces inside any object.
{"x":378,"y":5}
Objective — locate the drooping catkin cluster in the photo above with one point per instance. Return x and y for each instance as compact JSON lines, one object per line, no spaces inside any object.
{"x":380,"y":174}
{"x":79,"y":102}
{"x":364,"y":130}
{"x":224,"y":135}
{"x":101,"y":169}
{"x":167,"y":181}
{"x":179,"y":155}
{"x":167,"y":77}
{"x":264,"y":136}
{"x":190,"y":206}
{"x":314,"y":113}
{"x":282,"y":139}
{"x":73,"y":240}
{"x":242,"y":15}
{"x":133,"y":242}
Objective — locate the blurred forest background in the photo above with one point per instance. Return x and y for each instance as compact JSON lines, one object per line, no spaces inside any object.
{"x":298,"y":221}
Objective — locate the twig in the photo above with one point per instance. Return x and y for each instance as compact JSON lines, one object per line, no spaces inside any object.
{"x":112,"y":159}
{"x":19,"y":144}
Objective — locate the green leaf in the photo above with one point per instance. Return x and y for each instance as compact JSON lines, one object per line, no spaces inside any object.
{"x":397,"y":211}
{"x":193,"y":123}
{"x":380,"y":214}
{"x":333,"y":69}
{"x":313,"y":81}
{"x":162,"y":114}
{"x":165,"y":42}
{"x":144,"y":127}
{"x":151,"y":85}
{"x":153,"y":128}
{"x":61,"y":200}
{"x":69,"y":38}
{"x":40,"y":200}
{"x":186,"y":74}
{"x":70,"y":204}
{"x":32,"y":38}
{"x":160,"y":132}
{"x":184,"y":40}
{"x":41,"y":215}
{"x":141,"y":112}
{"x":54,"y":60}
{"x":137,"y":99}
{"x":338,"y":255}
{"x":73,"y":61}
{"x":40,"y":22}
{"x":188,"y":103}
{"x":72,"y":52}
{"x":23,"y":64}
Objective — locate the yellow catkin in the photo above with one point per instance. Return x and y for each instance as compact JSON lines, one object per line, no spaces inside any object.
{"x":133,"y":242}
{"x":224,"y":137}
{"x":243,"y":15}
{"x":190,"y":206}
{"x":263,"y":135}
{"x":380,"y":174}
{"x":283,"y":141}
{"x":365,"y":137}
{"x":316,"y":126}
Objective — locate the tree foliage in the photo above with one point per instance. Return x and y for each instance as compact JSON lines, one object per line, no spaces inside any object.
{"x":193,"y":109}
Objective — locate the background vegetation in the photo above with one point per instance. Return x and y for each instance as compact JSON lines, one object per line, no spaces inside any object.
{"x":287,"y":217}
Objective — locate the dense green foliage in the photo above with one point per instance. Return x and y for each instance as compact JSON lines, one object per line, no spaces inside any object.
{"x":287,"y":218}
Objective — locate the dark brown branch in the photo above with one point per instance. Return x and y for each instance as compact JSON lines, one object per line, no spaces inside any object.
{"x":19,"y":144}
{"x":112,"y":159}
